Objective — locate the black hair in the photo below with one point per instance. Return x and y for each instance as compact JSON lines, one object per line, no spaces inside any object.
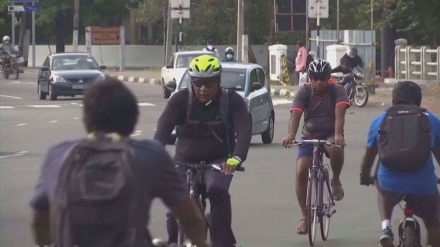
{"x":300,"y":43}
{"x":407,"y":92}
{"x":109,"y":106}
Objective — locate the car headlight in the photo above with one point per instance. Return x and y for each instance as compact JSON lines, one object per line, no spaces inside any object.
{"x":100,"y":78}
{"x":56,"y":79}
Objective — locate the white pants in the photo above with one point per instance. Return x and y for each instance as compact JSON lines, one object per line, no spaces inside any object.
{"x":302,"y":78}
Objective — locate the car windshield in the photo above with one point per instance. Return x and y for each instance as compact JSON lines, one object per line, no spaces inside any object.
{"x":231,"y":79}
{"x":73,"y":63}
{"x":183,"y":60}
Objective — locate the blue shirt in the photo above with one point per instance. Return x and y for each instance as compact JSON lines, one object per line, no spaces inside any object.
{"x":422,"y":182}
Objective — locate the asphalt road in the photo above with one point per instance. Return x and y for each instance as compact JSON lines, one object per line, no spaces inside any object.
{"x":265,"y":211}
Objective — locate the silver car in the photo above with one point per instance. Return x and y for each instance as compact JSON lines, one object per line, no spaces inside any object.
{"x":250,"y":82}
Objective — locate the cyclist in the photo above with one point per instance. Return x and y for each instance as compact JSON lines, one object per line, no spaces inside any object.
{"x":110,"y":111}
{"x":198,"y":141}
{"x":420,"y":184}
{"x":324,"y":106}
{"x":229,"y":55}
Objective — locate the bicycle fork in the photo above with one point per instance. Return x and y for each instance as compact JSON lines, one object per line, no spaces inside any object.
{"x":323,"y":183}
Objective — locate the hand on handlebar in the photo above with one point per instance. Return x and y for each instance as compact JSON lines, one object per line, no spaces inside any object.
{"x":289,"y":139}
{"x":230,"y":165}
{"x":339,"y":140}
{"x":366,"y":180}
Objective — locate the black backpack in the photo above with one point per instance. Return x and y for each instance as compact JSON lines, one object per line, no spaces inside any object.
{"x":404,"y":142}
{"x":212,"y":49}
{"x":224,"y":112}
{"x":97,"y":201}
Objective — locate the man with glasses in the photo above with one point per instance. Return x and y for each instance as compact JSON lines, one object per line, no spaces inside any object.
{"x":207,"y":132}
{"x":324,"y":105}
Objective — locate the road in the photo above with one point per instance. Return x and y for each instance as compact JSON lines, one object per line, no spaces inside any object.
{"x":265,"y":211}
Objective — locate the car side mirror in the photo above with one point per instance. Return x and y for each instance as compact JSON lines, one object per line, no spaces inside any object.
{"x":256,"y":86}
{"x":172,"y":84}
{"x":169,"y":66}
{"x":102,"y":67}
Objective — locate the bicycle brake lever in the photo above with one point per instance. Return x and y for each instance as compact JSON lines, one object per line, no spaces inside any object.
{"x":216,"y":167}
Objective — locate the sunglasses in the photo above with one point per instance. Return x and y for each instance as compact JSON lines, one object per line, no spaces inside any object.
{"x":319,"y":77}
{"x":200,"y":83}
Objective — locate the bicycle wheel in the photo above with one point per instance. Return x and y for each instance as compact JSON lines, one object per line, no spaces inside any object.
{"x":409,"y":237}
{"x":311,"y":204}
{"x":327,"y":203}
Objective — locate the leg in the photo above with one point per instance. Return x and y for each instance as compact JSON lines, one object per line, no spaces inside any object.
{"x":217,"y":186}
{"x":304,"y":162}
{"x":336,"y":162}
{"x":172,"y":228}
{"x":386,"y":201}
{"x":428,"y":208}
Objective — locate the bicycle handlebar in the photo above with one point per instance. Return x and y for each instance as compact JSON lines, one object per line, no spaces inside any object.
{"x":315,"y":142}
{"x":203,"y":165}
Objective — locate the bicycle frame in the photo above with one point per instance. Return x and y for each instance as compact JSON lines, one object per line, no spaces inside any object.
{"x":321,"y":174}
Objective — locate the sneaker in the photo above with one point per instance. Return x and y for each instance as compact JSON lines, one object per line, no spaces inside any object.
{"x":387,"y":238}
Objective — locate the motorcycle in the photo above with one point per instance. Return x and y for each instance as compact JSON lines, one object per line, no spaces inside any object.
{"x":352,"y":82}
{"x":11,"y":64}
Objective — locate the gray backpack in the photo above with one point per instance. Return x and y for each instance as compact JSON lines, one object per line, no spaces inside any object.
{"x":96,"y":201}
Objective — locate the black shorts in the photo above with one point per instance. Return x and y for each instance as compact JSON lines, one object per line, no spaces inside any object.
{"x":425,"y":207}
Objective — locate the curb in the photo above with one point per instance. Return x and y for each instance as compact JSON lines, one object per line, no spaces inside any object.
{"x":281,"y":92}
{"x":140,"y":80}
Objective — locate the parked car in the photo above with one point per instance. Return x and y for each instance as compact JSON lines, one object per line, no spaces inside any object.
{"x":250,"y":82}
{"x":175,"y":69}
{"x":67,"y":74}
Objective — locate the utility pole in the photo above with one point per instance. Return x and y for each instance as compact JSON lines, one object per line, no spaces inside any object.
{"x":169,"y":37}
{"x":240,"y":27}
{"x":75,"y":24}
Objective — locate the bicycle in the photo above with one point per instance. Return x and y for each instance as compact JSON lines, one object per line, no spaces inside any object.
{"x":318,"y":206}
{"x":409,"y":228}
{"x":197,"y":189}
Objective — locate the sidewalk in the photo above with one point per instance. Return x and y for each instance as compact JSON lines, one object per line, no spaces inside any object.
{"x":151,"y":77}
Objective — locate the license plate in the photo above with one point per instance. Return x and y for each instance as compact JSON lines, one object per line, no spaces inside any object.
{"x":78,"y":86}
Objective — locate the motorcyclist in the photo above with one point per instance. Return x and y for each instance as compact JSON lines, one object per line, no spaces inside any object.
{"x":229,"y":55}
{"x":6,"y":49}
{"x":349,"y":61}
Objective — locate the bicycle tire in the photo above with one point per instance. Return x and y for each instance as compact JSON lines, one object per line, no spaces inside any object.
{"x":326,"y":207}
{"x":311,"y":207}
{"x":409,"y":237}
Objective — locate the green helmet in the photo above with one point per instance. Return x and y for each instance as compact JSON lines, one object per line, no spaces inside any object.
{"x":205,"y":66}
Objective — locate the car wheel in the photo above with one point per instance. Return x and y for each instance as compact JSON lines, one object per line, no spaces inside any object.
{"x":52,"y":95}
{"x":267,"y":136}
{"x":166,"y":92}
{"x":42,"y":95}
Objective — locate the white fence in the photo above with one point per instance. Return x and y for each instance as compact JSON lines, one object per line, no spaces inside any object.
{"x":417,"y":63}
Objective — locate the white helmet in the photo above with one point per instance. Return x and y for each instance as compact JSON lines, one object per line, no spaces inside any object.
{"x":6,"y":38}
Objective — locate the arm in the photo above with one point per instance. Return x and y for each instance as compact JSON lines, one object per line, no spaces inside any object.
{"x":304,"y":59}
{"x":170,"y":117}
{"x":242,"y":126}
{"x":170,"y":187}
{"x":342,"y":103}
{"x":370,"y":152}
{"x":296,"y":112}
{"x":295,"y":118}
{"x":40,"y":222}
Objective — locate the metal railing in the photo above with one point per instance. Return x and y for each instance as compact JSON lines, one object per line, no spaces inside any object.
{"x":417,"y":63}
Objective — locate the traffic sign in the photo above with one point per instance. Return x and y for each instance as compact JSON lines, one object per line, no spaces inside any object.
{"x":30,"y":8}
{"x":175,"y":13}
{"x":106,"y":35}
{"x":175,"y":4}
{"x":15,"y":8}
{"x":24,"y":1}
{"x":323,"y":9}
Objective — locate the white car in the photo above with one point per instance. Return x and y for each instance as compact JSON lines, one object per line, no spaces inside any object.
{"x":250,"y":82}
{"x":174,"y":70}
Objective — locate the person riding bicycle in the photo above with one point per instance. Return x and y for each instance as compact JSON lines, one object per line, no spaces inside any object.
{"x":229,"y":55}
{"x":324,"y":106}
{"x":420,"y":183}
{"x":213,"y":143}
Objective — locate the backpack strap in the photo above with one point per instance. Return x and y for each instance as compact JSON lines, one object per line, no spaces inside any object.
{"x":224,"y":111}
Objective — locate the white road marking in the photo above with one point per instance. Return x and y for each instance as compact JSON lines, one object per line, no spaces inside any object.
{"x":146,"y":104}
{"x":6,"y":107}
{"x":12,"y":97}
{"x":75,"y":118}
{"x":45,"y":106}
{"x":22,"y":124}
{"x":13,"y":155}
{"x":53,"y":121}
{"x":281,"y":101}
